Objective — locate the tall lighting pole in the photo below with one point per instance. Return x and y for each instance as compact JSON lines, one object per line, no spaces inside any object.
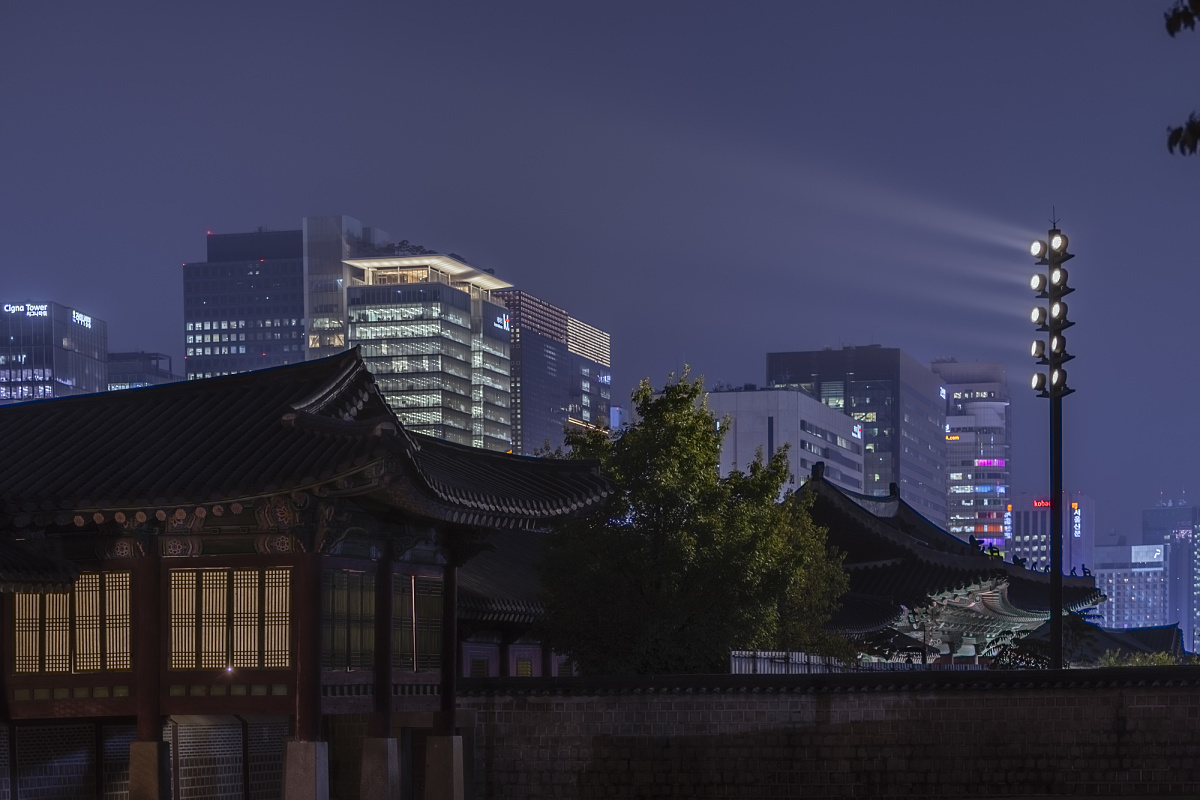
{"x":1052,"y":353}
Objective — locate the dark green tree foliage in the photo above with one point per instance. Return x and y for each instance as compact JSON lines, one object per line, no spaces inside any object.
{"x":681,"y":566}
{"x":1187,"y":136}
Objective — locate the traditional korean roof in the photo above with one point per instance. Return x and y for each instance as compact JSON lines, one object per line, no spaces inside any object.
{"x":314,"y":426}
{"x":24,"y":569}
{"x":500,"y":584}
{"x":897,"y":559}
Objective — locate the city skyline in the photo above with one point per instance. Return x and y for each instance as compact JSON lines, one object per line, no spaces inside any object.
{"x":703,"y":182}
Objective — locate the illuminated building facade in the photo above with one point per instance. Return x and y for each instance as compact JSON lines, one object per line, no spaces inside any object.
{"x":437,"y":344}
{"x":1134,"y":579}
{"x":244,"y":307}
{"x":764,"y":420}
{"x":132,"y":370}
{"x":1028,"y":518}
{"x":1177,"y":523}
{"x":978,"y":449}
{"x":561,"y":372}
{"x":901,"y":405}
{"x":50,"y":350}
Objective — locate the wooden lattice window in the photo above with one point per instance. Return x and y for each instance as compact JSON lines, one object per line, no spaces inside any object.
{"x":348,"y":624}
{"x":420,"y":598}
{"x":222,"y":618}
{"x":84,"y":630}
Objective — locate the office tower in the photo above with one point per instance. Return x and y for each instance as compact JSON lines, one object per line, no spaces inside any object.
{"x":978,"y":449}
{"x":1027,"y":532}
{"x":131,"y":370}
{"x":1177,"y":523}
{"x":763,"y":420}
{"x":329,"y":243}
{"x":901,"y":405}
{"x":50,"y":350}
{"x":1135,"y":581}
{"x":436,"y":343}
{"x":244,"y":307}
{"x":561,"y":372}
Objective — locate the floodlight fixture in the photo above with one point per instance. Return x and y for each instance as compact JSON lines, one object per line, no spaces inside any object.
{"x":1038,"y":316}
{"x":1039,"y":382}
{"x":1037,"y":249}
{"x":1038,"y":283}
{"x":1038,"y":349}
{"x":1058,"y":242}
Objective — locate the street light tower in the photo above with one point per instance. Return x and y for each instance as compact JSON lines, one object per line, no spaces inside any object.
{"x":1052,"y":353}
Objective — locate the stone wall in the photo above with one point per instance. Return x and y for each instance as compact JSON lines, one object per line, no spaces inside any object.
{"x":914,"y":734}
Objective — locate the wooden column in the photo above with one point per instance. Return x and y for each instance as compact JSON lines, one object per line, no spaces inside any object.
{"x":446,"y":720}
{"x":307,"y":624}
{"x":147,"y":602}
{"x":381,"y":721}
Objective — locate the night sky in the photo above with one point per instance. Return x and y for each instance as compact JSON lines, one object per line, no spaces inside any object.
{"x":706,"y":181}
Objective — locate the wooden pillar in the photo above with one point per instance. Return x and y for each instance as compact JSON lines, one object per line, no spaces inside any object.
{"x":446,"y":720}
{"x":307,"y":622}
{"x":381,"y":721}
{"x":149,"y":755}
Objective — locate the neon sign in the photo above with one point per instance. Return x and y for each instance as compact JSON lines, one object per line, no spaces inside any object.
{"x":29,"y":309}
{"x":1008,"y":523}
{"x":1041,"y":503}
{"x":989,"y":462}
{"x":82,"y":319}
{"x":502,"y":322}
{"x":1076,"y":521}
{"x":856,"y":430}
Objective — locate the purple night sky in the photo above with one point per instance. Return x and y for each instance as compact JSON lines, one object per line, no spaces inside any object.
{"x":706,"y":181}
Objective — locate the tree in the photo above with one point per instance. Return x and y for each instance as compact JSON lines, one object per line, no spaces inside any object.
{"x":681,"y":565}
{"x":1186,"y":137}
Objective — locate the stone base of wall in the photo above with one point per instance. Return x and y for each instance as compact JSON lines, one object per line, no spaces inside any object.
{"x":1095,"y":732}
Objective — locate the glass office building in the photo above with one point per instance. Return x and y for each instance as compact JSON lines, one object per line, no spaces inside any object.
{"x":134,"y":369}
{"x":50,"y":350}
{"x":244,"y":307}
{"x":437,"y":344}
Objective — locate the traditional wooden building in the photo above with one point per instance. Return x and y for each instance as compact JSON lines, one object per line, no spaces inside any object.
{"x":225,"y":580}
{"x":911,"y":582}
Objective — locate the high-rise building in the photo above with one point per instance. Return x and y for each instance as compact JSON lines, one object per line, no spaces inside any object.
{"x":50,"y":350}
{"x":1177,"y":523}
{"x":243,"y":308}
{"x":131,"y":370}
{"x":1027,"y":532}
{"x":901,"y":405}
{"x":437,"y":345}
{"x":561,"y":372}
{"x":764,"y":420}
{"x":1135,"y":582}
{"x":978,"y":449}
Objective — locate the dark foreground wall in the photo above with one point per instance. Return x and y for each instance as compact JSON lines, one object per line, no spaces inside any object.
{"x":917,"y":734}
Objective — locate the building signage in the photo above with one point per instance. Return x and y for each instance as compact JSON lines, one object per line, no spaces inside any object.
{"x":1076,"y":520}
{"x":1041,"y":503}
{"x":989,"y":462}
{"x":502,"y":322}
{"x":28,"y":309}
{"x":943,"y":392}
{"x":856,"y":430}
{"x":1008,"y":523}
{"x":82,"y":319}
{"x":1143,"y":553}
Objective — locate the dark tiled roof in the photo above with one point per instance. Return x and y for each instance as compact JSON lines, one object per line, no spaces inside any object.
{"x":896,"y":555}
{"x":500,"y":584}
{"x":24,"y":569}
{"x":285,"y":429}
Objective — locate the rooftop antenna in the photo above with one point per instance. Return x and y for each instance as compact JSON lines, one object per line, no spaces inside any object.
{"x":1053,"y":218}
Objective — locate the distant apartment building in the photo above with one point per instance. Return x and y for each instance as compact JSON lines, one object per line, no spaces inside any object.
{"x":243,"y":307}
{"x":901,"y":405}
{"x":131,"y":370}
{"x":763,"y":420}
{"x":978,"y":449}
{"x":50,"y":350}
{"x":1177,"y":523}
{"x":561,"y":372}
{"x":1134,"y":580}
{"x":437,"y":344}
{"x":1026,"y":522}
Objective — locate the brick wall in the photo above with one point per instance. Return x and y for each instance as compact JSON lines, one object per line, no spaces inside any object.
{"x":1093,"y":732}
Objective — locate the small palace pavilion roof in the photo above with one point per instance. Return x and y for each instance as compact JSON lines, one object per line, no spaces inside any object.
{"x":318,"y":426}
{"x":899,"y":562}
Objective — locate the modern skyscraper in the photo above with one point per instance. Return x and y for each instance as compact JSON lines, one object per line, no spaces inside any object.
{"x":1135,"y":581}
{"x":50,"y":350}
{"x":131,"y":370}
{"x":901,"y":405}
{"x":244,"y":307}
{"x":1026,"y":521}
{"x":978,"y":449}
{"x":764,"y":420}
{"x":437,"y":345}
{"x":329,"y":243}
{"x":1177,"y":523}
{"x":561,"y":372}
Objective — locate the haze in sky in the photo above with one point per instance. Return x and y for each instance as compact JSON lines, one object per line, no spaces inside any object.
{"x":706,"y":181}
